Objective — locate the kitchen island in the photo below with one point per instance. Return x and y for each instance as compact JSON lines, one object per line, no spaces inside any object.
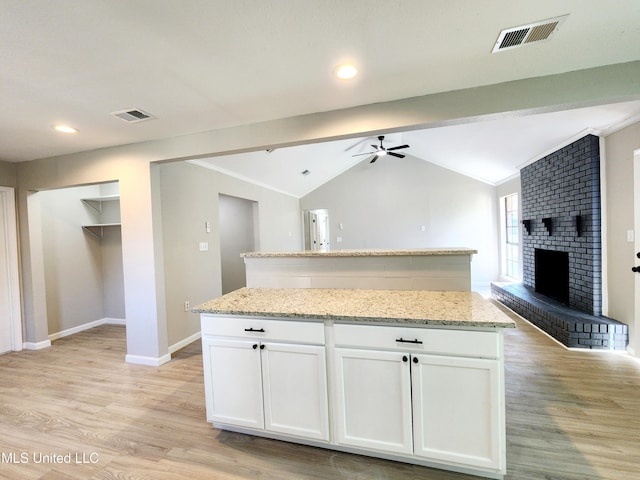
{"x":411,"y":376}
{"x":406,"y":269}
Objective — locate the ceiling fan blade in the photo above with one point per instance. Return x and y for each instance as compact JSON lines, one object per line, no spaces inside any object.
{"x":394,"y":154}
{"x":398,"y":147}
{"x":373,"y":160}
{"x":376,"y":147}
{"x":359,"y":154}
{"x":357,"y":144}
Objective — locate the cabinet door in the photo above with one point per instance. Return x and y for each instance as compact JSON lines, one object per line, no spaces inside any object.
{"x":295,"y":390}
{"x":457,"y":410}
{"x":373,"y":400}
{"x":233,"y":382}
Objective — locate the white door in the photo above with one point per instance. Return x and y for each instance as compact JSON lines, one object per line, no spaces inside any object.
{"x":373,"y":400}
{"x":456,"y":411}
{"x":10,"y":316}
{"x":295,"y":390}
{"x":634,"y":330}
{"x":233,"y":382}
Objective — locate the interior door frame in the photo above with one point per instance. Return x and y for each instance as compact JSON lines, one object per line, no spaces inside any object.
{"x":634,"y":341}
{"x":13,"y":271}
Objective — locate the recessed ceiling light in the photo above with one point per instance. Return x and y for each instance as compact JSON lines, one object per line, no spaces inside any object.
{"x":65,"y":129}
{"x":346,"y":71}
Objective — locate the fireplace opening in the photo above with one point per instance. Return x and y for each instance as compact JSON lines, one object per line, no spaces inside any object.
{"x":552,"y":274}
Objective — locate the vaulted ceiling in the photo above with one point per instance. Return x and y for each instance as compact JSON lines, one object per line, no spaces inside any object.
{"x":203,"y":65}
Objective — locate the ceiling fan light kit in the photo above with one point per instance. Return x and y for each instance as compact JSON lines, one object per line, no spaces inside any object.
{"x":381,"y":151}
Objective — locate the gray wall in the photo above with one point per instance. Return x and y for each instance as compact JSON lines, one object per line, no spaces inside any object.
{"x":83,"y":274}
{"x":7,"y":174}
{"x":385,"y":204}
{"x":189,"y":198}
{"x":236,"y":236}
{"x":619,"y":149}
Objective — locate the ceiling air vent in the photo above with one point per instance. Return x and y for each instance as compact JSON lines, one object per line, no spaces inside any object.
{"x":534,"y":32}
{"x":133,"y":115}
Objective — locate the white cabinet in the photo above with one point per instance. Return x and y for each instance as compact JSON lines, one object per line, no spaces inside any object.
{"x":405,"y":399}
{"x":295,"y":390}
{"x":255,"y":378}
{"x":373,"y":407}
{"x":456,"y":411}
{"x":234,"y":382}
{"x":427,"y":396}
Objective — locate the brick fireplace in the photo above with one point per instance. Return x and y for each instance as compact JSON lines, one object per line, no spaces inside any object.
{"x":561,"y":290}
{"x":561,"y":204}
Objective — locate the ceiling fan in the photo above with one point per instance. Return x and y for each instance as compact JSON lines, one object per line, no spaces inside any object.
{"x":381,"y":151}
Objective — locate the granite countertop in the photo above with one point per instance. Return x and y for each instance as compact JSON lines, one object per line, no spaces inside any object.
{"x":365,"y":253}
{"x":453,"y":308}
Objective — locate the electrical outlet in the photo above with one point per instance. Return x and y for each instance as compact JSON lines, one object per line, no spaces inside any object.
{"x":187,"y":306}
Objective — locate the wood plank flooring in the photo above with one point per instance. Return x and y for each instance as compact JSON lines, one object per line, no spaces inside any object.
{"x":570,"y":415}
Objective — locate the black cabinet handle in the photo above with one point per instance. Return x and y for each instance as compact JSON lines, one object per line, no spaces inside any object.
{"x":254,"y":346}
{"x":261,"y":330}
{"x":635,"y":269}
{"x":415,"y":360}
{"x":405,"y":359}
{"x":402,"y":340}
{"x":261,"y":347}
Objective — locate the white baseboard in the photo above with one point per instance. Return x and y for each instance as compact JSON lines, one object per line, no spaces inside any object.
{"x":183,"y":343}
{"x":79,"y":328}
{"x":36,"y":345}
{"x":149,"y":361}
{"x":86,"y":326}
{"x":114,"y":321}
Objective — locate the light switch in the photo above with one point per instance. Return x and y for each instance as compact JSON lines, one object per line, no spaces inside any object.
{"x":204,"y":246}
{"x":630,"y":236}
{"x":338,"y":239}
{"x":207,"y":227}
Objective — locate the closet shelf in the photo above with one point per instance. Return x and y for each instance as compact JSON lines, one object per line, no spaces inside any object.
{"x":97,"y":229}
{"x":96,"y":202}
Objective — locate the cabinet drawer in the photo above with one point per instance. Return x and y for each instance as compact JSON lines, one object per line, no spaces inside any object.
{"x":463,"y":343}
{"x":262,"y":329}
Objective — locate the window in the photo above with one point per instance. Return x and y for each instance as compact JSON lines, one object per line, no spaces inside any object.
{"x":511,"y":236}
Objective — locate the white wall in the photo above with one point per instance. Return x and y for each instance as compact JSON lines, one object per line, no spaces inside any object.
{"x":619,"y":149}
{"x":189,"y":198}
{"x":385,"y":205}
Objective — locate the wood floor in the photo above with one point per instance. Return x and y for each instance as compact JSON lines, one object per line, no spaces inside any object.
{"x":570,"y":415}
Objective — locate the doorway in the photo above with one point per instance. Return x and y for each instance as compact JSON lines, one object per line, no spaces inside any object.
{"x":10,"y":313}
{"x":316,"y":230}
{"x":238,"y":219}
{"x":82,"y":257}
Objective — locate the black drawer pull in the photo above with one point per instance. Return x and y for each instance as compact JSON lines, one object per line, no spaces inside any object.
{"x":261,"y":330}
{"x":402,"y":340}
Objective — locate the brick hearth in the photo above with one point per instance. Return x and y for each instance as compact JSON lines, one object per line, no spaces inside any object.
{"x":570,"y":327}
